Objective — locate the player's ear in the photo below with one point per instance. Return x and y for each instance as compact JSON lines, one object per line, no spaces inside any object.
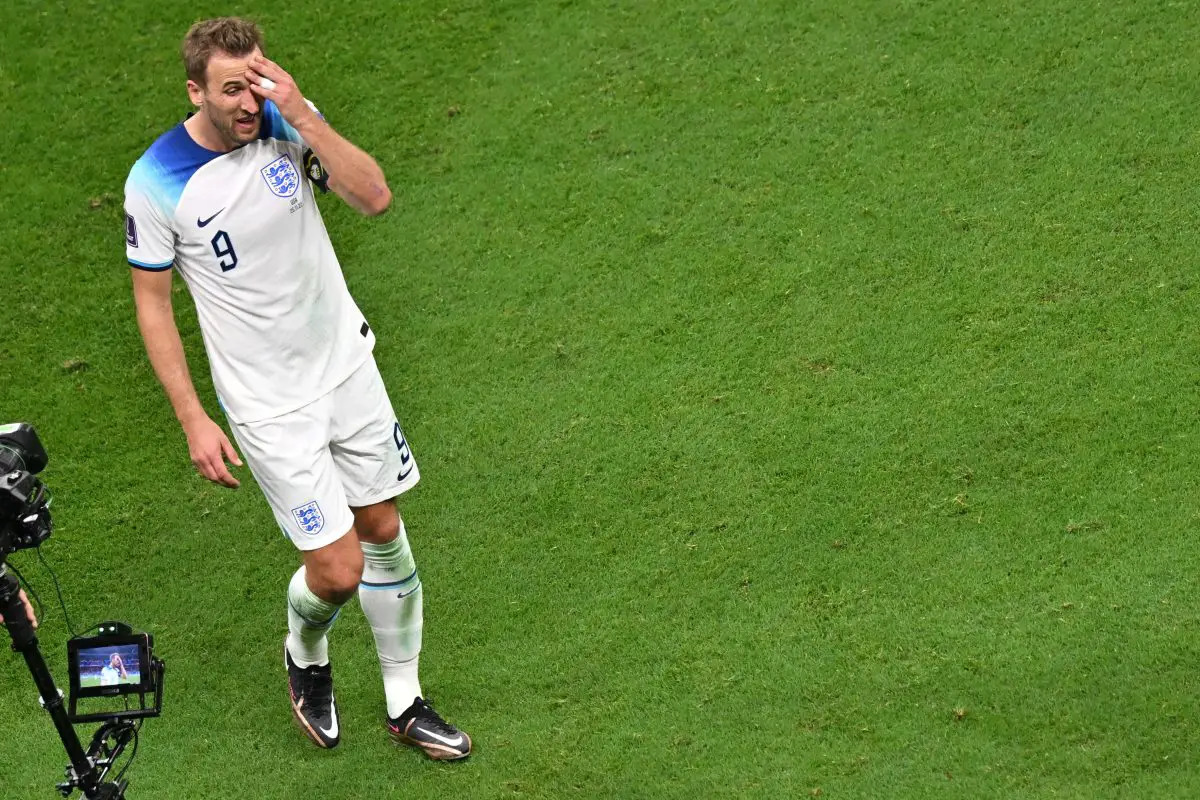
{"x":195,"y":93}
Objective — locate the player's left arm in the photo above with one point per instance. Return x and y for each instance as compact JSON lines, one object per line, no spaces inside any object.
{"x":353,"y":174}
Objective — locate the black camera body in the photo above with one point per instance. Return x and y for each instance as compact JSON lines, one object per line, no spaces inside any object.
{"x":24,"y":501}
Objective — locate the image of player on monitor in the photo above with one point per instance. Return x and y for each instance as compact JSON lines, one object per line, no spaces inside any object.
{"x":110,"y":666}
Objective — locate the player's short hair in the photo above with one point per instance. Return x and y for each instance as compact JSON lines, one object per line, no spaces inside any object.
{"x":232,"y":35}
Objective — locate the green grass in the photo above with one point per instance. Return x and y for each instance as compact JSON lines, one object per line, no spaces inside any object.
{"x":94,"y":680}
{"x":805,"y":396}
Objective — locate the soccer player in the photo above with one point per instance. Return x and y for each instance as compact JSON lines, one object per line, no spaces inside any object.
{"x":228,"y":199}
{"x":113,"y":672}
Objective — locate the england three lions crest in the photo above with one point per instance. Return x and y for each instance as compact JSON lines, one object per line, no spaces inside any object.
{"x":281,"y":177}
{"x":309,"y":518}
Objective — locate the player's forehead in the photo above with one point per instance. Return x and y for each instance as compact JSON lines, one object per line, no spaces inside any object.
{"x":224,"y":68}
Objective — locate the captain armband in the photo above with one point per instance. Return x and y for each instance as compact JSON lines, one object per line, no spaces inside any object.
{"x":315,"y":171}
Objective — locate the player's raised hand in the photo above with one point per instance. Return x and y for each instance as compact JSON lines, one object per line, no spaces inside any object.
{"x":271,"y":82}
{"x":209,"y":448}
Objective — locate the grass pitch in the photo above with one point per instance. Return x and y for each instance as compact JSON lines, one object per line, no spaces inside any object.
{"x":804,"y":394}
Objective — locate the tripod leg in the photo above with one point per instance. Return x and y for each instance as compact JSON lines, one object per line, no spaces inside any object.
{"x":26,"y":643}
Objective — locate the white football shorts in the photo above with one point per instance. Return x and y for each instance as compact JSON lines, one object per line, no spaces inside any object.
{"x":342,"y":450}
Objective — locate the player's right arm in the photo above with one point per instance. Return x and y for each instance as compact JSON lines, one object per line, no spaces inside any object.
{"x":150,"y":196}
{"x":207,"y":443}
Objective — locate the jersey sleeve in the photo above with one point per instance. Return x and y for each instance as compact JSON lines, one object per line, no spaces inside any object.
{"x":149,"y":240}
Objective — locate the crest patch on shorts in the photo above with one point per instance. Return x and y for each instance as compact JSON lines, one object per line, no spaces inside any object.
{"x":309,"y":518}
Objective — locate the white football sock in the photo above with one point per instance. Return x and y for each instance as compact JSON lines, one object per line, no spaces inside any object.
{"x":309,"y":619}
{"x":390,"y":594}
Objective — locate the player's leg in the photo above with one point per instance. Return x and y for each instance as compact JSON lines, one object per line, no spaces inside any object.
{"x":390,"y":594}
{"x":376,"y":465}
{"x":290,"y":459}
{"x":328,"y":578}
{"x":391,"y":598}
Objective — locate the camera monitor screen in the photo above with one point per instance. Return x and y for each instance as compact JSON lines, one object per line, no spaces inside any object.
{"x":110,"y":666}
{"x":112,"y":676}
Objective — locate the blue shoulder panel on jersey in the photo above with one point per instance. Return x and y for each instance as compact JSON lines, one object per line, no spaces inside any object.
{"x":168,"y":165}
{"x":274,"y":126}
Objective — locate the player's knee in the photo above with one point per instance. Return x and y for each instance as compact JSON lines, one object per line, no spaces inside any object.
{"x":341,"y":582}
{"x":337,"y":581}
{"x":380,"y":525}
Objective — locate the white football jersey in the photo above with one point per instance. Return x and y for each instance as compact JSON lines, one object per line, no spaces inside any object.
{"x":243,"y":229}
{"x":109,"y":676}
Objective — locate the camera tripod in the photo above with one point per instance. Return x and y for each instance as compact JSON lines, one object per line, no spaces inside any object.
{"x":87,"y":770}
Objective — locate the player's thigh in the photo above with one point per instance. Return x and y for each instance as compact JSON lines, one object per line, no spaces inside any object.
{"x":368,"y":445}
{"x":291,"y":460}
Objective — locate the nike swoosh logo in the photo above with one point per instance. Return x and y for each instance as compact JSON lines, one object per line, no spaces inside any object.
{"x":203,"y":222}
{"x":332,"y":730}
{"x":443,"y":739}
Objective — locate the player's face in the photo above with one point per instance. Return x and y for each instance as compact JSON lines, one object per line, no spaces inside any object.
{"x":226,"y":100}
{"x":113,"y":660}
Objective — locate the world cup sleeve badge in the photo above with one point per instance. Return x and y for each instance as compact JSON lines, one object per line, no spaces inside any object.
{"x":281,"y":176}
{"x":309,"y":518}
